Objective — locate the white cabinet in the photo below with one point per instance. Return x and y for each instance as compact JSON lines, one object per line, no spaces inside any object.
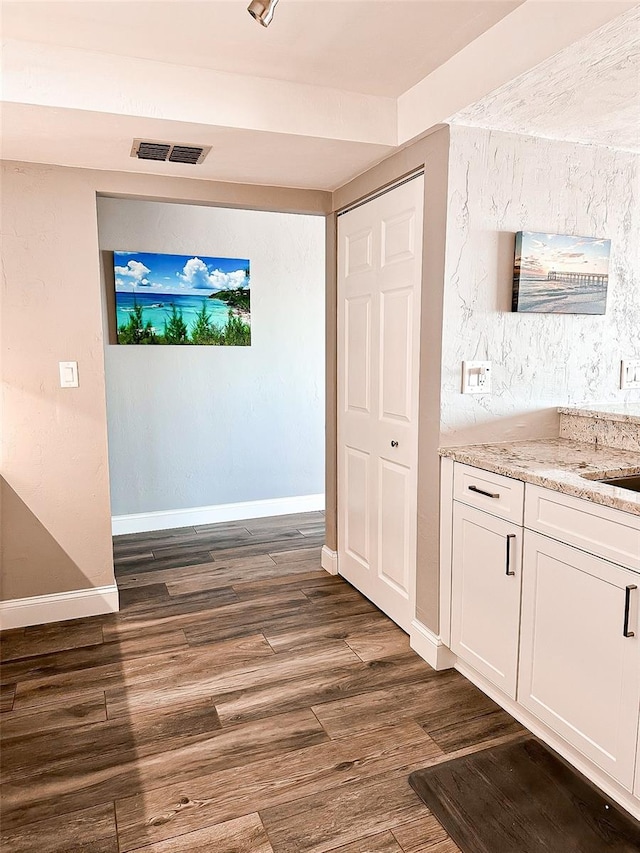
{"x":579,"y":673}
{"x":486,"y":581}
{"x":557,"y":643}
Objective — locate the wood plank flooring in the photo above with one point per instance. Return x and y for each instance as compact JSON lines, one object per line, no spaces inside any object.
{"x":242,"y":701}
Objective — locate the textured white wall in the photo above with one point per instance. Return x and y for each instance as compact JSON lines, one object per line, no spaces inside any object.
{"x":588,"y":92}
{"x":197,"y":426}
{"x":502,"y":183}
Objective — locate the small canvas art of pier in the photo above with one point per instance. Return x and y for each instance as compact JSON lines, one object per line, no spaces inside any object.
{"x":560,"y":274}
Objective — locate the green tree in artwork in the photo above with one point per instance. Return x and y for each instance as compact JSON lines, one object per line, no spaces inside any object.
{"x":240,"y":298}
{"x":136,"y":331}
{"x":236,"y":332}
{"x":175,"y":329}
{"x":203,"y":332}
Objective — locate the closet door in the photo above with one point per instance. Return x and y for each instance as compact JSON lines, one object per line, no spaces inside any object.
{"x":379,"y":282}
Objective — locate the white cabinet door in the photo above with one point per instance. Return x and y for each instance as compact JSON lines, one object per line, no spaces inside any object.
{"x":379,"y":283}
{"x":485,"y":594}
{"x":579,"y":673}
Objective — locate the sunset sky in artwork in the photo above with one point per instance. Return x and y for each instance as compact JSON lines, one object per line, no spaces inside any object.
{"x":542,"y":253}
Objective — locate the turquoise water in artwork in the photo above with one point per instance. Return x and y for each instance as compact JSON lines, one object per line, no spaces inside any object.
{"x":157,"y":308}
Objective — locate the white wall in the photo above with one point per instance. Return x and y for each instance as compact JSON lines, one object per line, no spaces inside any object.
{"x":200,"y":426}
{"x":501,"y":183}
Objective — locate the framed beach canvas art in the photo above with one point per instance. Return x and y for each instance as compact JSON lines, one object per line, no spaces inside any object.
{"x":558,"y":274}
{"x":182,"y":299}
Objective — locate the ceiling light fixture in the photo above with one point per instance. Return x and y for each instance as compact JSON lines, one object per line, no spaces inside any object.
{"x":262,"y":11}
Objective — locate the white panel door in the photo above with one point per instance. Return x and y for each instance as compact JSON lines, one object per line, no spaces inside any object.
{"x":379,"y":278}
{"x":485,"y":594}
{"x":580,"y":651}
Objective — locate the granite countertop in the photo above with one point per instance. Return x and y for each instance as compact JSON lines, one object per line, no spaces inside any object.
{"x":628,"y":413}
{"x":559,"y":464}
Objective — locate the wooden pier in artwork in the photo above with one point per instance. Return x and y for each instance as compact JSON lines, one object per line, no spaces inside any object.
{"x":578,"y":277}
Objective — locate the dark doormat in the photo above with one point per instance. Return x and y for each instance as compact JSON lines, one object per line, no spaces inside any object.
{"x":523,"y":798}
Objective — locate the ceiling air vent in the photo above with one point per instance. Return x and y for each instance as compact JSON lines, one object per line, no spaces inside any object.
{"x":144,"y":149}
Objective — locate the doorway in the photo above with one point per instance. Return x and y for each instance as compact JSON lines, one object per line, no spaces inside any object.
{"x":204,"y":434}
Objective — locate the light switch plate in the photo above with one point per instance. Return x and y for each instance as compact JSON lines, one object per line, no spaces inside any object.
{"x":476,"y":377}
{"x":68,"y":374}
{"x":630,"y":373}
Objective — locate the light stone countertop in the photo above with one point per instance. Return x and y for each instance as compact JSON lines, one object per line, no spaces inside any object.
{"x":559,"y":464}
{"x":628,"y":413}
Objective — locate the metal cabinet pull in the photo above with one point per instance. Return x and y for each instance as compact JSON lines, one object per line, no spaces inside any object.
{"x":481,"y":492}
{"x":510,"y":536}
{"x":394,"y":444}
{"x":627,"y":606}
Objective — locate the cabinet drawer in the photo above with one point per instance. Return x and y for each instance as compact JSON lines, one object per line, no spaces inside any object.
{"x":596,"y":529}
{"x":501,"y":496}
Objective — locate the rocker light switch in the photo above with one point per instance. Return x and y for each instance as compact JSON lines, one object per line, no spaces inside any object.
{"x":476,"y":377}
{"x":68,"y":374}
{"x":630,"y":373}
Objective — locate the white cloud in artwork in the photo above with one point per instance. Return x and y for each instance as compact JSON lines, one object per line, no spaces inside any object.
{"x":134,"y":270}
{"x":222,"y":280}
{"x":532,"y":262}
{"x":196,"y":275}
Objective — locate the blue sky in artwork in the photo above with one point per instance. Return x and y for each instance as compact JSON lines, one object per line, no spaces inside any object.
{"x":541,"y":253}
{"x":146,"y":272}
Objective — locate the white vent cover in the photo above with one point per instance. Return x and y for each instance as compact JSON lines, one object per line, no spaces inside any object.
{"x":172,"y":152}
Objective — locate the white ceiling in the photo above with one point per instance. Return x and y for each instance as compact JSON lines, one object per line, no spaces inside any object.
{"x":589,"y":92}
{"x":328,"y":90}
{"x":379,"y":48}
{"x":101,"y":140}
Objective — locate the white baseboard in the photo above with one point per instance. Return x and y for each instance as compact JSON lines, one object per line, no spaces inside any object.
{"x":430,"y":647}
{"x":58,"y":607}
{"x":329,"y":560}
{"x":142,"y":522}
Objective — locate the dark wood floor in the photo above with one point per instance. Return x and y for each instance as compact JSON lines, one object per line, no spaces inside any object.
{"x":242,"y":701}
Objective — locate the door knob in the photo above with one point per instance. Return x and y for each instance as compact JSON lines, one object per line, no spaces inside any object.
{"x":394,"y":444}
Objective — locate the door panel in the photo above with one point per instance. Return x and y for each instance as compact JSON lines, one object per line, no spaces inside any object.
{"x":394,"y":509}
{"x":398,"y":237}
{"x":357,"y":511}
{"x":358,"y":352}
{"x":358,"y":252}
{"x":379,"y":279}
{"x":396,"y":351}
